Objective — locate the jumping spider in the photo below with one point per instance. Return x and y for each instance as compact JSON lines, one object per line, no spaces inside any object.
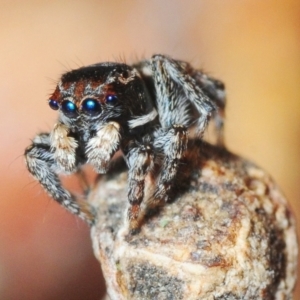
{"x":145,"y":110}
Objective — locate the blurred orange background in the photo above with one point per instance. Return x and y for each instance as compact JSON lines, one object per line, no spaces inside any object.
{"x":253,"y":46}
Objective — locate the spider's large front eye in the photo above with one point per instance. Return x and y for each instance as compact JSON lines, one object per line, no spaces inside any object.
{"x":69,"y":109}
{"x":53,"y":104}
{"x":91,"y":106}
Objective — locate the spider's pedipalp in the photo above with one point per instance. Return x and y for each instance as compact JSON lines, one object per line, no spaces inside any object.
{"x":101,"y":148}
{"x":63,"y":148}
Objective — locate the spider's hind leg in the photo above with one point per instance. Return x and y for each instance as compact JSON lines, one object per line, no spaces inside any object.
{"x":140,"y":160}
{"x":215,"y":90}
{"x":41,"y":163}
{"x":174,"y":144}
{"x":204,"y":93}
{"x":178,"y":92}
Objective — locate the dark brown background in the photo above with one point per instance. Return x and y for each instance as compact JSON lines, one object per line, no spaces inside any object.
{"x":254,"y":46}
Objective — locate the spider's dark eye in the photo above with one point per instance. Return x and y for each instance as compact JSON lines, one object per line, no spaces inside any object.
{"x":111,"y":99}
{"x":69,"y":109}
{"x":53,"y":104}
{"x":91,"y":106}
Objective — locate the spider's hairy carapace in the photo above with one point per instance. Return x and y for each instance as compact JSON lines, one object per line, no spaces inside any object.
{"x":145,"y":110}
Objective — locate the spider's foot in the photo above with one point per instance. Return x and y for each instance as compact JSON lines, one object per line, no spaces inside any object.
{"x":135,"y":231}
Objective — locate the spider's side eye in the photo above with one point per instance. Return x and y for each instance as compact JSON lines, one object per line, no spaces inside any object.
{"x":111,"y":99}
{"x":91,"y":106}
{"x":69,"y":109}
{"x":53,"y":104}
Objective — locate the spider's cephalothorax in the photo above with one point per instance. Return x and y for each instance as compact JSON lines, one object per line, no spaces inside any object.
{"x":145,"y":110}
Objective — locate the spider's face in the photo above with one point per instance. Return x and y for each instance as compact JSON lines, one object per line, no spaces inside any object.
{"x":98,"y":92}
{"x":83,"y":99}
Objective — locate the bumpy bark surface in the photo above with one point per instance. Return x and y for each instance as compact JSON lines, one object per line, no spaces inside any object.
{"x":228,"y":234}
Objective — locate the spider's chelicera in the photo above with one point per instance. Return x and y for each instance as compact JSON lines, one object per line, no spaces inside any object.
{"x":145,"y":110}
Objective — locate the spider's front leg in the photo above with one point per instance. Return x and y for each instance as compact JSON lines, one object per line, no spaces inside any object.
{"x":101,"y":148}
{"x":42,"y":163}
{"x":140,"y":161}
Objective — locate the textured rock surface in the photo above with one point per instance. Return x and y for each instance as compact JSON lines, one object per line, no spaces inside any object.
{"x":228,"y":234}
